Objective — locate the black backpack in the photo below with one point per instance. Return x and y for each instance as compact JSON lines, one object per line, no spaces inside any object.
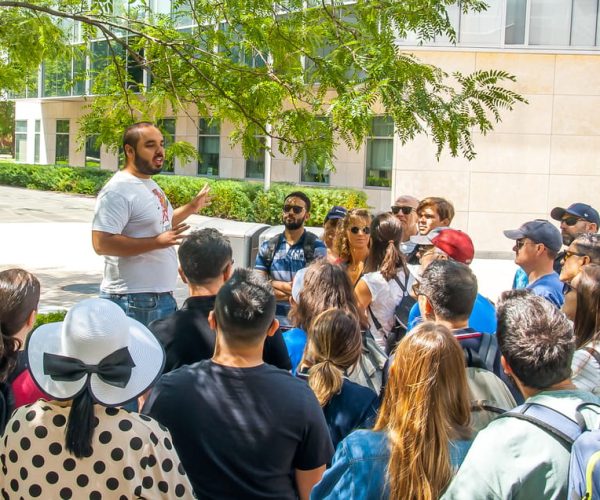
{"x":308,"y":247}
{"x":401,"y":313}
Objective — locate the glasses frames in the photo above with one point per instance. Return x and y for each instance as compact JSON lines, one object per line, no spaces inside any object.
{"x":292,"y":208}
{"x":396,"y":209}
{"x":572,"y":220}
{"x":355,"y":230}
{"x":522,"y":242}
{"x":569,"y":254}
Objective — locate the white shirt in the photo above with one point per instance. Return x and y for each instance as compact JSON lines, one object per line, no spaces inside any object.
{"x":137,"y":208}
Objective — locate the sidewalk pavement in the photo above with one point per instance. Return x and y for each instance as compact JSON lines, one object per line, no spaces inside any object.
{"x":49,"y":234}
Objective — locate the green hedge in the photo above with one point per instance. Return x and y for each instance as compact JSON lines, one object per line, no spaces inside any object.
{"x":231,"y":199}
{"x":51,"y":317}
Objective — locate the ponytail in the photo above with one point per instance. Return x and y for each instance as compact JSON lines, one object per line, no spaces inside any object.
{"x":9,"y":349}
{"x":325,"y":379}
{"x":392,"y":261}
{"x":80,"y":425}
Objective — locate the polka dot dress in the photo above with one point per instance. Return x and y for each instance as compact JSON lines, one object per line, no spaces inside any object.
{"x":133,"y":457}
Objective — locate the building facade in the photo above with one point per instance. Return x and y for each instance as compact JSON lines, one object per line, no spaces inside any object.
{"x":545,"y":153}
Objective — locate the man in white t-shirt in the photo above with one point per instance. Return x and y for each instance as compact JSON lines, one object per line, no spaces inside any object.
{"x":136,"y":229}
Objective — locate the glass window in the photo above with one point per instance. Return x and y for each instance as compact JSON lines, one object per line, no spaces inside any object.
{"x":255,"y":164}
{"x":483,"y":27}
{"x":21,"y":140}
{"x":62,"y":142}
{"x":583,"y":24}
{"x":209,"y":146}
{"x":550,"y":22}
{"x":514,"y":32}
{"x":167,"y":127}
{"x":92,"y":151}
{"x":309,"y":171}
{"x":56,"y":80}
{"x":37,"y":139}
{"x":380,"y":148}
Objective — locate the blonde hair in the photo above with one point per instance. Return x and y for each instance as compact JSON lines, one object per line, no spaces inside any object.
{"x":426,"y":404}
{"x":334,"y":345}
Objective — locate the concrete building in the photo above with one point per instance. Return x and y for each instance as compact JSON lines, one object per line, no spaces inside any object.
{"x":543,"y":154}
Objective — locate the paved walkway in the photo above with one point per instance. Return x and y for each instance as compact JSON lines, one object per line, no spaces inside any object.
{"x":49,"y":234}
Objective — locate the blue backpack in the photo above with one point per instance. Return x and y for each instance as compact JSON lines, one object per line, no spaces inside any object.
{"x":574,"y":435}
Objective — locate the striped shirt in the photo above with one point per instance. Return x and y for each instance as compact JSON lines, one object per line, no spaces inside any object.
{"x":586,"y":370}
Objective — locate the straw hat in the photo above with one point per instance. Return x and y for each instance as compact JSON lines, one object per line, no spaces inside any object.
{"x":96,"y":346}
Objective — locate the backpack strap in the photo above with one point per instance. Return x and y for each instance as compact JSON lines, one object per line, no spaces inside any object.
{"x":309,"y":246}
{"x":485,"y":355}
{"x":272,"y":244}
{"x":482,"y":404}
{"x":402,"y":287}
{"x":564,"y":429}
{"x":374,"y":318}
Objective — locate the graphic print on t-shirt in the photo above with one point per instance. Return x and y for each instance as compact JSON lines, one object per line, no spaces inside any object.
{"x":162,"y":199}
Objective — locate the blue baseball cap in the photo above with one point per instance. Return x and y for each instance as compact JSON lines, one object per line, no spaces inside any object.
{"x":581,"y":210}
{"x":539,"y":231}
{"x":336,"y":212}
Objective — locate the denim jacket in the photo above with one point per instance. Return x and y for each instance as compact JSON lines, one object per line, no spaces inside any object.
{"x":359,"y":467}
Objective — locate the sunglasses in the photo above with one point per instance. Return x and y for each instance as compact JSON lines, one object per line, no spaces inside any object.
{"x":571,"y":221}
{"x":522,"y":242}
{"x":569,"y":254}
{"x":356,"y":230}
{"x":405,"y":210}
{"x":292,"y":208}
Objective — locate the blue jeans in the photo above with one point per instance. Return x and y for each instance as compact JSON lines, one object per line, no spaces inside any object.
{"x":144,"y":307}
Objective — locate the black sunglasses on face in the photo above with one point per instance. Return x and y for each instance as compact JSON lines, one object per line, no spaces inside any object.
{"x":405,"y":210}
{"x":292,"y":208}
{"x":569,"y":254}
{"x":571,"y":221}
{"x":356,"y":229}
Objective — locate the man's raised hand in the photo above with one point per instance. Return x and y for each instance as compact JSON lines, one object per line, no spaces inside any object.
{"x":173,"y":236}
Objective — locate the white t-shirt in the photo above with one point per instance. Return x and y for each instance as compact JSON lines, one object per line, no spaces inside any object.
{"x":385,"y":296}
{"x":137,"y":208}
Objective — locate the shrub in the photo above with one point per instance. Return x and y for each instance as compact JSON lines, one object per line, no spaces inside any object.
{"x":51,"y":317}
{"x":231,"y":199}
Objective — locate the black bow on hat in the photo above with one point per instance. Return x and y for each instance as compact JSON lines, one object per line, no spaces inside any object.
{"x":114,"y":369}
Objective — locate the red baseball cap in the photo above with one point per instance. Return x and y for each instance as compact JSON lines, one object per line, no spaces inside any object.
{"x":457,"y":244}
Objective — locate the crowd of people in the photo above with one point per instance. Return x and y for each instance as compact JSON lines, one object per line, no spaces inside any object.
{"x":363,"y":364}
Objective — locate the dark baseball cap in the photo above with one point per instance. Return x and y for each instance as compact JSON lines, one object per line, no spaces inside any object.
{"x":539,"y":231}
{"x":455,"y":243}
{"x":336,"y":212}
{"x":581,"y":210}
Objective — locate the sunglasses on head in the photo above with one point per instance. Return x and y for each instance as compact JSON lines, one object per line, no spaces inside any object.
{"x":293,"y":208}
{"x":405,"y":210}
{"x":356,"y":230}
{"x":571,"y":220}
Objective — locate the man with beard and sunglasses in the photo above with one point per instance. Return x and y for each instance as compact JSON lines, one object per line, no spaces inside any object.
{"x":136,"y":229}
{"x":282,"y":256}
{"x":575,"y":220}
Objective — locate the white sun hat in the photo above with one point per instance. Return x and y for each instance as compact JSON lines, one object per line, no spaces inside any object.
{"x":97,"y":346}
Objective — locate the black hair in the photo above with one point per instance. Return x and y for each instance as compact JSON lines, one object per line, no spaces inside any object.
{"x":80,"y":425}
{"x":384,"y":254}
{"x":131,"y":136}
{"x":302,"y":196}
{"x":203,"y":255}
{"x":450,"y":287}
{"x":245,"y":307}
{"x":589,"y":244}
{"x":19,"y":297}
{"x":535,"y":338}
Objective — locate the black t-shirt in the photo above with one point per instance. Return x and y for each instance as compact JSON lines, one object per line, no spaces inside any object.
{"x":187,"y":337}
{"x":241,"y":432}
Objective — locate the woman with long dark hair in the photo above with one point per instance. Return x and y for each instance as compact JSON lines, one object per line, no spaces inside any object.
{"x":334,"y":347}
{"x":386,"y":278}
{"x":582,"y":305}
{"x":80,"y":444}
{"x":422,"y":431}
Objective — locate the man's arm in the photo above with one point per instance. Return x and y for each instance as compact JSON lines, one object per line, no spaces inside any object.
{"x":282,"y":289}
{"x":118,"y":245}
{"x":193,"y":206}
{"x":306,"y":480}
